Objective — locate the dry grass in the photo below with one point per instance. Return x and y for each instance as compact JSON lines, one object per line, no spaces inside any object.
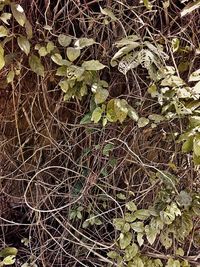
{"x":50,"y":164}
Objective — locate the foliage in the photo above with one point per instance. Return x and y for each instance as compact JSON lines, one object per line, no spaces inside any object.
{"x":99,"y":107}
{"x":176,"y":97}
{"x":76,"y":81}
{"x":8,"y":254}
{"x":162,"y":222}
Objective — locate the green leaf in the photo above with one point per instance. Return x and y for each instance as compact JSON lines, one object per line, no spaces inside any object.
{"x":57,"y":58}
{"x":96,"y":115}
{"x":2,"y":61}
{"x":138,"y":227}
{"x":167,"y":178}
{"x":158,"y":263}
{"x":42,"y":51}
{"x":37,"y":46}
{"x":196,"y":207}
{"x":142,"y":122}
{"x":170,"y":213}
{"x":173,"y":263}
{"x":121,"y":109}
{"x":5,"y":17}
{"x":193,"y":105}
{"x":86,"y":119}
{"x":62,"y":71}
{"x":119,"y":223}
{"x":74,"y":72}
{"x":130,"y":252}
{"x":73,"y":53}
{"x":173,"y":208}
{"x":183,"y":66}
{"x":125,"y":240}
{"x":113,"y":255}
{"x":181,"y":109}
{"x":187,"y":145}
{"x":151,"y":234}
{"x":79,"y":215}
{"x":153,"y":90}
{"x":121,"y":196}
{"x":110,"y":111}
{"x":175,"y":44}
{"x":50,"y":46}
{"x":195,"y":76}
{"x":18,"y":13}
{"x":93,"y":65}
{"x":196,"y":146}
{"x":128,"y":62}
{"x":101,"y":95}
{"x":184,"y":92}
{"x":129,"y":217}
{"x":142,"y":214}
{"x":84,"y":42}
{"x":10,"y":76}
{"x":196,"y":90}
{"x":24,"y":44}
{"x":85,"y":224}
{"x":157,"y":223}
{"x":180,"y":252}
{"x":8,"y":251}
{"x":112,"y":162}
{"x":125,"y":228}
{"x":184,"y":199}
{"x":183,"y":226}
{"x":156,"y":118}
{"x":128,"y":40}
{"x":147,"y":4}
{"x":3,"y":31}
{"x":36,"y":65}
{"x":131,"y":206}
{"x":64,"y":40}
{"x":140,"y":239}
{"x":98,"y":221}
{"x":136,"y":262}
{"x":172,"y":81}
{"x":104,"y":122}
{"x":25,"y":241}
{"x":29,"y":30}
{"x":107,"y":149}
{"x":196,"y":159}
{"x":9,"y":260}
{"x":132,"y":113}
{"x":108,"y":12}
{"x":64,"y":85}
{"x":72,"y":215}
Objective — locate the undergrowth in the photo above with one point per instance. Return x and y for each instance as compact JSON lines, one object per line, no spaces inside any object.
{"x":100,"y":133}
